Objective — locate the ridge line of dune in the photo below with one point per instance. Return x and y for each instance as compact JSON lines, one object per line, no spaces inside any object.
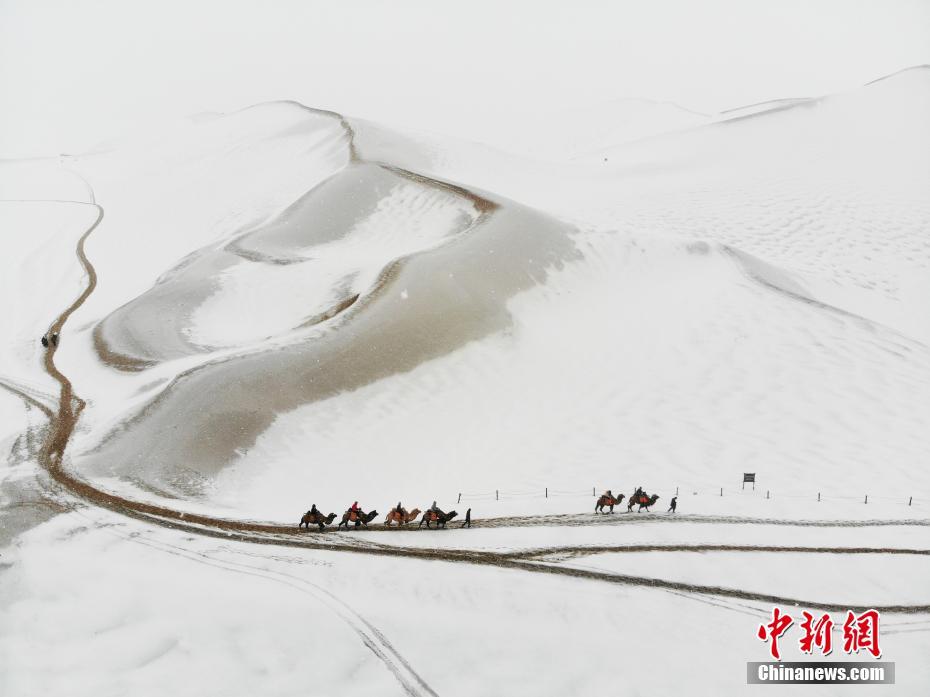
{"x":739,"y":259}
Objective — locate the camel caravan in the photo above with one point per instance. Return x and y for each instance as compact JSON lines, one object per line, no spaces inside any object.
{"x":400,"y":517}
{"x":398,"y":514}
{"x":638,"y":497}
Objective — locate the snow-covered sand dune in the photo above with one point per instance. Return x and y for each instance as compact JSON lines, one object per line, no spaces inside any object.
{"x":296,"y":307}
{"x":830,"y":190}
{"x":368,"y":274}
{"x":304,"y":267}
{"x":749,"y":293}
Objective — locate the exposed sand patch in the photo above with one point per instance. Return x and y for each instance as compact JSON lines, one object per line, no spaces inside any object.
{"x":424,"y":307}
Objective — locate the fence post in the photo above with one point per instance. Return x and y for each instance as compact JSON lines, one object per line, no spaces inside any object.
{"x":818,"y":496}
{"x":460,"y":499}
{"x":676,"y":491}
{"x":592,"y":491}
{"x":866,"y":498}
{"x":766,"y":493}
{"x":910,"y":501}
{"x":547,"y":492}
{"x":497,"y":495}
{"x":721,"y":491}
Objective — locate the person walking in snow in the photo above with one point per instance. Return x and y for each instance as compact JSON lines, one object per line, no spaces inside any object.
{"x":671,"y":509}
{"x":467,"y":523}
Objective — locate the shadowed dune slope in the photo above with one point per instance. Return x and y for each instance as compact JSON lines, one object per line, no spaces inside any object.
{"x":415,"y":268}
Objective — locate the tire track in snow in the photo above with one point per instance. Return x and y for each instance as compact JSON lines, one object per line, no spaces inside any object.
{"x":585,"y":519}
{"x":578,"y":551}
{"x":504,"y":560}
{"x":371,"y":636}
{"x":20,"y":391}
{"x":70,"y":407}
{"x":63,"y":423}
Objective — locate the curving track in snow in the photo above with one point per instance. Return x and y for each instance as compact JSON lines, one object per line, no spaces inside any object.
{"x":62,"y":424}
{"x":70,"y":406}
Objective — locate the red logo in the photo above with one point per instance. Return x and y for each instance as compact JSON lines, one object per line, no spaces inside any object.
{"x":859,"y":632}
{"x":819,"y":634}
{"x":774,"y":629}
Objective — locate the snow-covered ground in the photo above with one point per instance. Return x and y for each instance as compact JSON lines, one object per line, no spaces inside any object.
{"x":159,"y":612}
{"x":297,"y":307}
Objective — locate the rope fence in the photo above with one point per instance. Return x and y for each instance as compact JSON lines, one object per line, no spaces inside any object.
{"x":825,"y":495}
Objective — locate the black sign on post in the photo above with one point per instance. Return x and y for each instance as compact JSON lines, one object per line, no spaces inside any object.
{"x":749,"y":477}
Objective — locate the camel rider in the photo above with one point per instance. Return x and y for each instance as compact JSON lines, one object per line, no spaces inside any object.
{"x":435,"y":509}
{"x":609,"y":494}
{"x":400,"y":511}
{"x":355,"y":509}
{"x":313,"y":510}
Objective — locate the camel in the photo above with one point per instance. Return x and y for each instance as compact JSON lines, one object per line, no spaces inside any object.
{"x":643,"y":501}
{"x":606,"y":501}
{"x":360,"y":518}
{"x":439,"y":519}
{"x":394,"y":516}
{"x":317,"y":519}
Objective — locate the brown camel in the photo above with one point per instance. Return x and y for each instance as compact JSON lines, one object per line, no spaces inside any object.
{"x":644,"y":501}
{"x":607,"y":501}
{"x":439,"y":519}
{"x":316,"y":519}
{"x":395,"y":516}
{"x":360,"y":518}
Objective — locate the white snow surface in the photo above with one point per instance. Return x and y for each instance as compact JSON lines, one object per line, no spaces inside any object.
{"x":749,"y":295}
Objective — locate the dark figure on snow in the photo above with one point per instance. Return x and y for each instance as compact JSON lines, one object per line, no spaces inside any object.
{"x":314,"y":517}
{"x":671,"y":509}
{"x":45,"y":341}
{"x":467,"y":523}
